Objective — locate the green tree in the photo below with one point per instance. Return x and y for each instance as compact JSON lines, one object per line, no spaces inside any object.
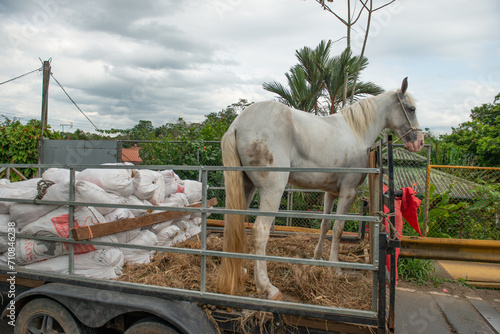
{"x":317,"y":82}
{"x":82,"y":135}
{"x":478,"y":140}
{"x":216,"y":124}
{"x":184,"y":143}
{"x":19,"y":143}
{"x":144,"y":130}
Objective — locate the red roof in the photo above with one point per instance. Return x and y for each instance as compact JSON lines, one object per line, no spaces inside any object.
{"x":131,"y":155}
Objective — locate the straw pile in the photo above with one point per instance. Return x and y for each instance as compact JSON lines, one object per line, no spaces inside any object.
{"x":315,"y":285}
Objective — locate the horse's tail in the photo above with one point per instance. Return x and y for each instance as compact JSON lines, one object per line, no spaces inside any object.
{"x":230,"y":273}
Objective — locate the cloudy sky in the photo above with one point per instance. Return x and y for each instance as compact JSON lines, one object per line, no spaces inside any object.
{"x":123,"y":61}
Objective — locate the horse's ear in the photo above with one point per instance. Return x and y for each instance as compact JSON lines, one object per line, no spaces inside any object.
{"x":404,"y":85}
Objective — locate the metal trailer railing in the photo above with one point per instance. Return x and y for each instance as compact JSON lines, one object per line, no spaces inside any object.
{"x":382,"y":314}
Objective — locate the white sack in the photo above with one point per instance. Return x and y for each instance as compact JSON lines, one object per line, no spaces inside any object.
{"x":118,"y":214}
{"x":156,"y":228}
{"x":182,"y":223}
{"x":26,"y":184}
{"x":195,"y":221}
{"x":126,"y":236}
{"x":29,"y":250}
{"x":92,"y":193}
{"x":145,"y":183}
{"x":173,"y":183}
{"x":4,"y":260}
{"x":176,"y":200}
{"x":192,"y":231}
{"x":159,"y":194}
{"x":7,"y":192}
{"x":84,"y":192}
{"x":194,"y":227}
{"x":57,"y":192}
{"x":192,"y":189}
{"x":166,"y":235}
{"x":132,"y":200}
{"x":140,"y":256}
{"x":56,"y":223}
{"x":102,"y":264}
{"x":24,"y":214}
{"x":115,"y":181}
{"x":178,"y":239}
{"x":57,"y":175}
{"x":4,"y":226}
{"x":149,"y":185}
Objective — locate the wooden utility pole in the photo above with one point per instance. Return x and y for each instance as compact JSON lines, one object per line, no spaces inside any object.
{"x":45,"y":93}
{"x":45,"y":105}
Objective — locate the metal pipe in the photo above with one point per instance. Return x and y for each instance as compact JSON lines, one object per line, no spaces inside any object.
{"x":203,"y":278}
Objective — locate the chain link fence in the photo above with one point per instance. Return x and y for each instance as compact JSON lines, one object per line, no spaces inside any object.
{"x":462,"y":202}
{"x":209,"y":154}
{"x":457,"y":202}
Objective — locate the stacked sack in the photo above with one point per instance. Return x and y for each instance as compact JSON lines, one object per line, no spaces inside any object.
{"x":110,"y":186}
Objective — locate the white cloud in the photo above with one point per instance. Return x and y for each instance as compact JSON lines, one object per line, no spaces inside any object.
{"x":123,"y":61}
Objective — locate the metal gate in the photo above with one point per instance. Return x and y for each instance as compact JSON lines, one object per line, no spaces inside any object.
{"x":381,"y":315}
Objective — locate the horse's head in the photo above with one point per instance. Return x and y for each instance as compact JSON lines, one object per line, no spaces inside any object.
{"x":404,"y":120}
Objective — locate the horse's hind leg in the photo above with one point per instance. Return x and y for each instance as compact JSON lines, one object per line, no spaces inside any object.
{"x":249,"y":189}
{"x":325,"y":224}
{"x":346,"y":198}
{"x":269,"y":201}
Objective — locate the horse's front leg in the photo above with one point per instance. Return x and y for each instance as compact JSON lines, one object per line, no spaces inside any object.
{"x":346,"y":198}
{"x":269,"y":202}
{"x":325,"y":224}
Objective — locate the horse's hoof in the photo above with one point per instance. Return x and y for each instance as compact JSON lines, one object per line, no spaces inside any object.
{"x":317,"y":254}
{"x":278,"y":297}
{"x":338,"y":272}
{"x":273,"y":293}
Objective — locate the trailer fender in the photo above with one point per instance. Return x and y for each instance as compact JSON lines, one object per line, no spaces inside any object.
{"x":94,"y":307}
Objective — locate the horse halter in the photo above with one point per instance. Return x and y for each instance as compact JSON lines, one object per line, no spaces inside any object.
{"x":412,"y":128}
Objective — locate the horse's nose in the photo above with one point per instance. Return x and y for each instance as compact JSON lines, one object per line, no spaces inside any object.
{"x":420,"y":141}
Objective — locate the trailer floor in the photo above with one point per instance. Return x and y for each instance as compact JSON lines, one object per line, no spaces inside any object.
{"x":448,"y":308}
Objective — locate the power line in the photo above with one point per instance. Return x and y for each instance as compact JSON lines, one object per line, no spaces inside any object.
{"x":22,"y":75}
{"x":76,"y":105}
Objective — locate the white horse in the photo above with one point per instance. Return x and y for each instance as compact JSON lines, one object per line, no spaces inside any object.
{"x":272,"y":134}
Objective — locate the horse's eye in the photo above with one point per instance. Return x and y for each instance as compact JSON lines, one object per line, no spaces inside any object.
{"x":412,"y":109}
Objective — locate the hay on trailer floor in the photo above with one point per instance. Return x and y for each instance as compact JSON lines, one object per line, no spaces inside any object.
{"x":315,"y":285}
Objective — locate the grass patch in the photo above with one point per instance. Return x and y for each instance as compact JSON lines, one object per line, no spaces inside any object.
{"x":415,"y":270}
{"x":421,"y":271}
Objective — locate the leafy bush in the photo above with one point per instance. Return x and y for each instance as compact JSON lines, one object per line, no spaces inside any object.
{"x":19,"y":144}
{"x":476,"y":218}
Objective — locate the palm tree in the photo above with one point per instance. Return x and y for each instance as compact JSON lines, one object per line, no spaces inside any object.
{"x":337,"y":68}
{"x":301,"y":93}
{"x":317,"y":82}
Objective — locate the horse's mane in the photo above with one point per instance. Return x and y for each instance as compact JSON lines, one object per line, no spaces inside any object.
{"x":359,"y":115}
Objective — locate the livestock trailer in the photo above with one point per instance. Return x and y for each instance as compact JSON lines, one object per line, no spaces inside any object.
{"x":41,"y":300}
